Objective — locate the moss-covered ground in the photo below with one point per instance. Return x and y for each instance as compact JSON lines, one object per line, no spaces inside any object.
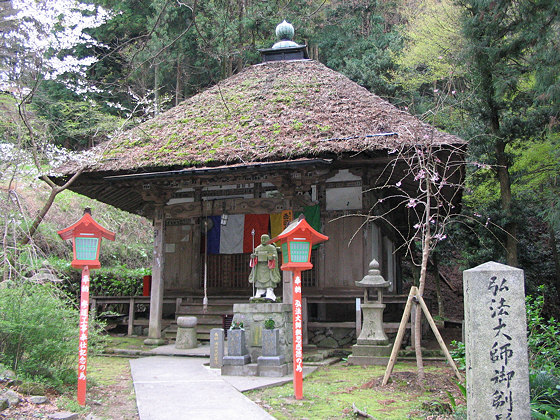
{"x":332,"y":392}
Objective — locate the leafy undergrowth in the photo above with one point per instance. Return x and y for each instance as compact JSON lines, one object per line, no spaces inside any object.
{"x":331,"y":393}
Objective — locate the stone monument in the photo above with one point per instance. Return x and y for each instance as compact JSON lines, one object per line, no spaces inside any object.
{"x":238,"y":356}
{"x":496,"y":343}
{"x":372,"y":347}
{"x":216,"y":347}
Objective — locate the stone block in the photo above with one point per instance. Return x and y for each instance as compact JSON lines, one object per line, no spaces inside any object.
{"x":273,"y":371}
{"x":244,"y":370}
{"x":216,"y":347}
{"x":496,"y":343}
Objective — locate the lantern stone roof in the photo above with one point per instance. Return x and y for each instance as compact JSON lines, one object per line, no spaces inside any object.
{"x":270,"y":112}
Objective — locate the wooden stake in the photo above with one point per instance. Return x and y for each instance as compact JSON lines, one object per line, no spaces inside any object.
{"x":400,"y":334}
{"x":438,"y":336}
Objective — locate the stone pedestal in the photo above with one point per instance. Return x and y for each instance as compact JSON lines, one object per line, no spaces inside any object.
{"x":186,"y":332}
{"x":372,"y":346}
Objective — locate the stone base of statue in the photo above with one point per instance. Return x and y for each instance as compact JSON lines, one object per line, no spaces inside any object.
{"x":270,"y":350}
{"x":253,"y":316}
{"x":367,"y":355}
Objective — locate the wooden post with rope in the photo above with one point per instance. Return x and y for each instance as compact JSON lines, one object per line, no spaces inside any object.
{"x":415,"y":295}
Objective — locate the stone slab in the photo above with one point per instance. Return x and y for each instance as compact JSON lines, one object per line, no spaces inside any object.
{"x":377,"y":351}
{"x":271,"y":360}
{"x":249,"y":369}
{"x":273,"y":371}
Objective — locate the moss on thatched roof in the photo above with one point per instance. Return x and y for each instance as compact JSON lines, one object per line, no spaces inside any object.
{"x":268,"y":112}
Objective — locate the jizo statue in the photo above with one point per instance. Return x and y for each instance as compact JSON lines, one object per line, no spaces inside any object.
{"x":265,"y":273}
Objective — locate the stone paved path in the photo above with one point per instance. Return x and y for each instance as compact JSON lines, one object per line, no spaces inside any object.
{"x":176,"y":388}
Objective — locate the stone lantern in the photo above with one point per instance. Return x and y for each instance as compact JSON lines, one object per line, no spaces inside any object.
{"x":372,"y":347}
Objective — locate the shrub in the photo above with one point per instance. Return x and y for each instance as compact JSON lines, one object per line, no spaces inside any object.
{"x":269,"y":324}
{"x":39,"y":332}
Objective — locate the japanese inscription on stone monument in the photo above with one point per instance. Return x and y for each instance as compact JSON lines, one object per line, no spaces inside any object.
{"x":496,"y":343}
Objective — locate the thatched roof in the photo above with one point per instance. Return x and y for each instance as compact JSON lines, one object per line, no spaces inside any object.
{"x":269,"y":112}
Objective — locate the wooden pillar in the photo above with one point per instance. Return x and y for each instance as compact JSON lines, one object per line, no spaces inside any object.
{"x":156,"y":294}
{"x":131,"y":307}
{"x":286,"y":286}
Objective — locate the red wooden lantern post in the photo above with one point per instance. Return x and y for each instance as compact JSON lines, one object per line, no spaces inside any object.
{"x":86,"y":235}
{"x":296,"y":242}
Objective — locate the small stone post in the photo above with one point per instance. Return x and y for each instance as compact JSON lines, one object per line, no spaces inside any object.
{"x":496,"y":343}
{"x":216,"y":347}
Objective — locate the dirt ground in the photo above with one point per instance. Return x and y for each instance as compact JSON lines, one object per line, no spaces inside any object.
{"x":107,"y":401}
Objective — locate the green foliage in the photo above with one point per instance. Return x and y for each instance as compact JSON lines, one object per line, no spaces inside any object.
{"x":432,"y":47}
{"x":117,"y":281}
{"x":72,"y":122}
{"x":545,"y":395}
{"x":358,"y":40}
{"x":544,"y":337}
{"x":458,"y":354}
{"x":545,"y":387}
{"x":269,"y":324}
{"x":39,"y":333}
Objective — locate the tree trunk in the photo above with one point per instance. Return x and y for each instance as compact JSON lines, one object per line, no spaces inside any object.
{"x":179,"y":82}
{"x":506,"y":201}
{"x":55,"y":190}
{"x":555,"y":256}
{"x":426,"y":240}
{"x":156,"y":90}
{"x":502,"y":162}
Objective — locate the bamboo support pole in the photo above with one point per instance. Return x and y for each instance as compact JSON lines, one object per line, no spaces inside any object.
{"x":438,"y":337}
{"x":400,"y":334}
